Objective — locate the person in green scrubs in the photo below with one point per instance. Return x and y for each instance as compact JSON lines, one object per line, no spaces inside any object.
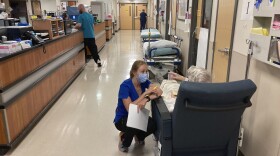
{"x":86,"y":23}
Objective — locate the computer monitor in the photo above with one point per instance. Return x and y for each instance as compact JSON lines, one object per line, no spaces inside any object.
{"x":52,"y":14}
{"x":72,"y":11}
{"x":23,"y":20}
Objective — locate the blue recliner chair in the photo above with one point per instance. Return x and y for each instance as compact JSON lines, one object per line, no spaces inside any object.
{"x":205,"y":121}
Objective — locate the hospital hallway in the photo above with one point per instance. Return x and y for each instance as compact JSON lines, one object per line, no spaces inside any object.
{"x":81,"y":122}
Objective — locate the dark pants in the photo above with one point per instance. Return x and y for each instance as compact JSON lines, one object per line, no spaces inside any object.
{"x":143,"y":25}
{"x":129,"y":133}
{"x":90,"y":43}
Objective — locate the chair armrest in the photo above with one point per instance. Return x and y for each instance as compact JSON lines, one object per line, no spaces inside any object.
{"x":163,"y":119}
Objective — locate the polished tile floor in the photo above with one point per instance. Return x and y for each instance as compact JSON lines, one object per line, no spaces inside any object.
{"x":81,"y":121}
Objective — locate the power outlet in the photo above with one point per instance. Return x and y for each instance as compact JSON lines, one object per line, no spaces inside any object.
{"x":241,"y":136}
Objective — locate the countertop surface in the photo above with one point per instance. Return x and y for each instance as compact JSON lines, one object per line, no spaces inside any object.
{"x":4,"y":57}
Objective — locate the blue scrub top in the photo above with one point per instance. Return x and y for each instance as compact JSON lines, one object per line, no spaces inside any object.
{"x":127,"y":89}
{"x":143,"y":17}
{"x":87,"y":22}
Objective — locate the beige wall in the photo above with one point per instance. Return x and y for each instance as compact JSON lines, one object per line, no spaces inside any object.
{"x":262,"y":120}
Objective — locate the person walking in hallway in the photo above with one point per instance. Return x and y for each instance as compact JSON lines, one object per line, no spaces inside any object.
{"x":143,"y":20}
{"x":86,"y":23}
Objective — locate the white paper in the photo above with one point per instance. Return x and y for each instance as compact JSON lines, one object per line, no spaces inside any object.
{"x":202,"y":48}
{"x":247,"y":10}
{"x":138,"y":120}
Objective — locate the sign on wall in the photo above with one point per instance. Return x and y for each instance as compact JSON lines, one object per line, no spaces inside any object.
{"x":63,"y":6}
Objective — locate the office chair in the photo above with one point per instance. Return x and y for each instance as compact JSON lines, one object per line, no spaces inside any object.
{"x":205,"y":121}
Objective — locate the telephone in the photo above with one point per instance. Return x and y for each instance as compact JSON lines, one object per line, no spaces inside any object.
{"x":35,"y":39}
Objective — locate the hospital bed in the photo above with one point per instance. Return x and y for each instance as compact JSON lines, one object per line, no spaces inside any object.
{"x":162,"y":59}
{"x":151,"y":33}
{"x":202,"y":123}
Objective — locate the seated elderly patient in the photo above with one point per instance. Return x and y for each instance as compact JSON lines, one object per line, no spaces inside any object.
{"x":170,"y":87}
{"x":194,"y":74}
{"x":136,"y":90}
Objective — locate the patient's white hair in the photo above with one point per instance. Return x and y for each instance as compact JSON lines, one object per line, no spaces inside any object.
{"x":198,"y":74}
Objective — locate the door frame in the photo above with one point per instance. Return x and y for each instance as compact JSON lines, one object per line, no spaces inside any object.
{"x":157,"y":16}
{"x":167,"y":13}
{"x":232,"y":38}
{"x":193,"y":57}
{"x":192,"y":29}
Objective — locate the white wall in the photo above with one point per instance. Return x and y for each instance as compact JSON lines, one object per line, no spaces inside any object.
{"x":85,"y":2}
{"x":49,"y":5}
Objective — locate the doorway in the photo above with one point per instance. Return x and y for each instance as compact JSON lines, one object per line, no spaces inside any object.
{"x":19,"y":9}
{"x":200,"y":32}
{"x":225,"y":27}
{"x":138,"y":10}
{"x":130,"y":15}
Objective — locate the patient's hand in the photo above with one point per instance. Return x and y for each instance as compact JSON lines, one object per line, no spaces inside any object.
{"x":175,"y":76}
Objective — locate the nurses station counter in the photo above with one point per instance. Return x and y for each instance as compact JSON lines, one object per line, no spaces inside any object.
{"x":32,"y":80}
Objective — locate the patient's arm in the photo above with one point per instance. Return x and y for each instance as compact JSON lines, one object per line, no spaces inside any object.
{"x":175,"y":76}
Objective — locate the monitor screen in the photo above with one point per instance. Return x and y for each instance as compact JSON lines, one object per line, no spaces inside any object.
{"x":74,"y":17}
{"x":72,"y":11}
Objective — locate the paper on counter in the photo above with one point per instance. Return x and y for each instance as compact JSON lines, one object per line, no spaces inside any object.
{"x":138,"y":120}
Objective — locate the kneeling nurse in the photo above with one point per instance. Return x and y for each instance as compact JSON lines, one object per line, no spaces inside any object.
{"x":136,"y":90}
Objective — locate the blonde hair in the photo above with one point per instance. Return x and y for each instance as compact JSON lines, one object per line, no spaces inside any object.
{"x":136,"y":65}
{"x":198,"y":74}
